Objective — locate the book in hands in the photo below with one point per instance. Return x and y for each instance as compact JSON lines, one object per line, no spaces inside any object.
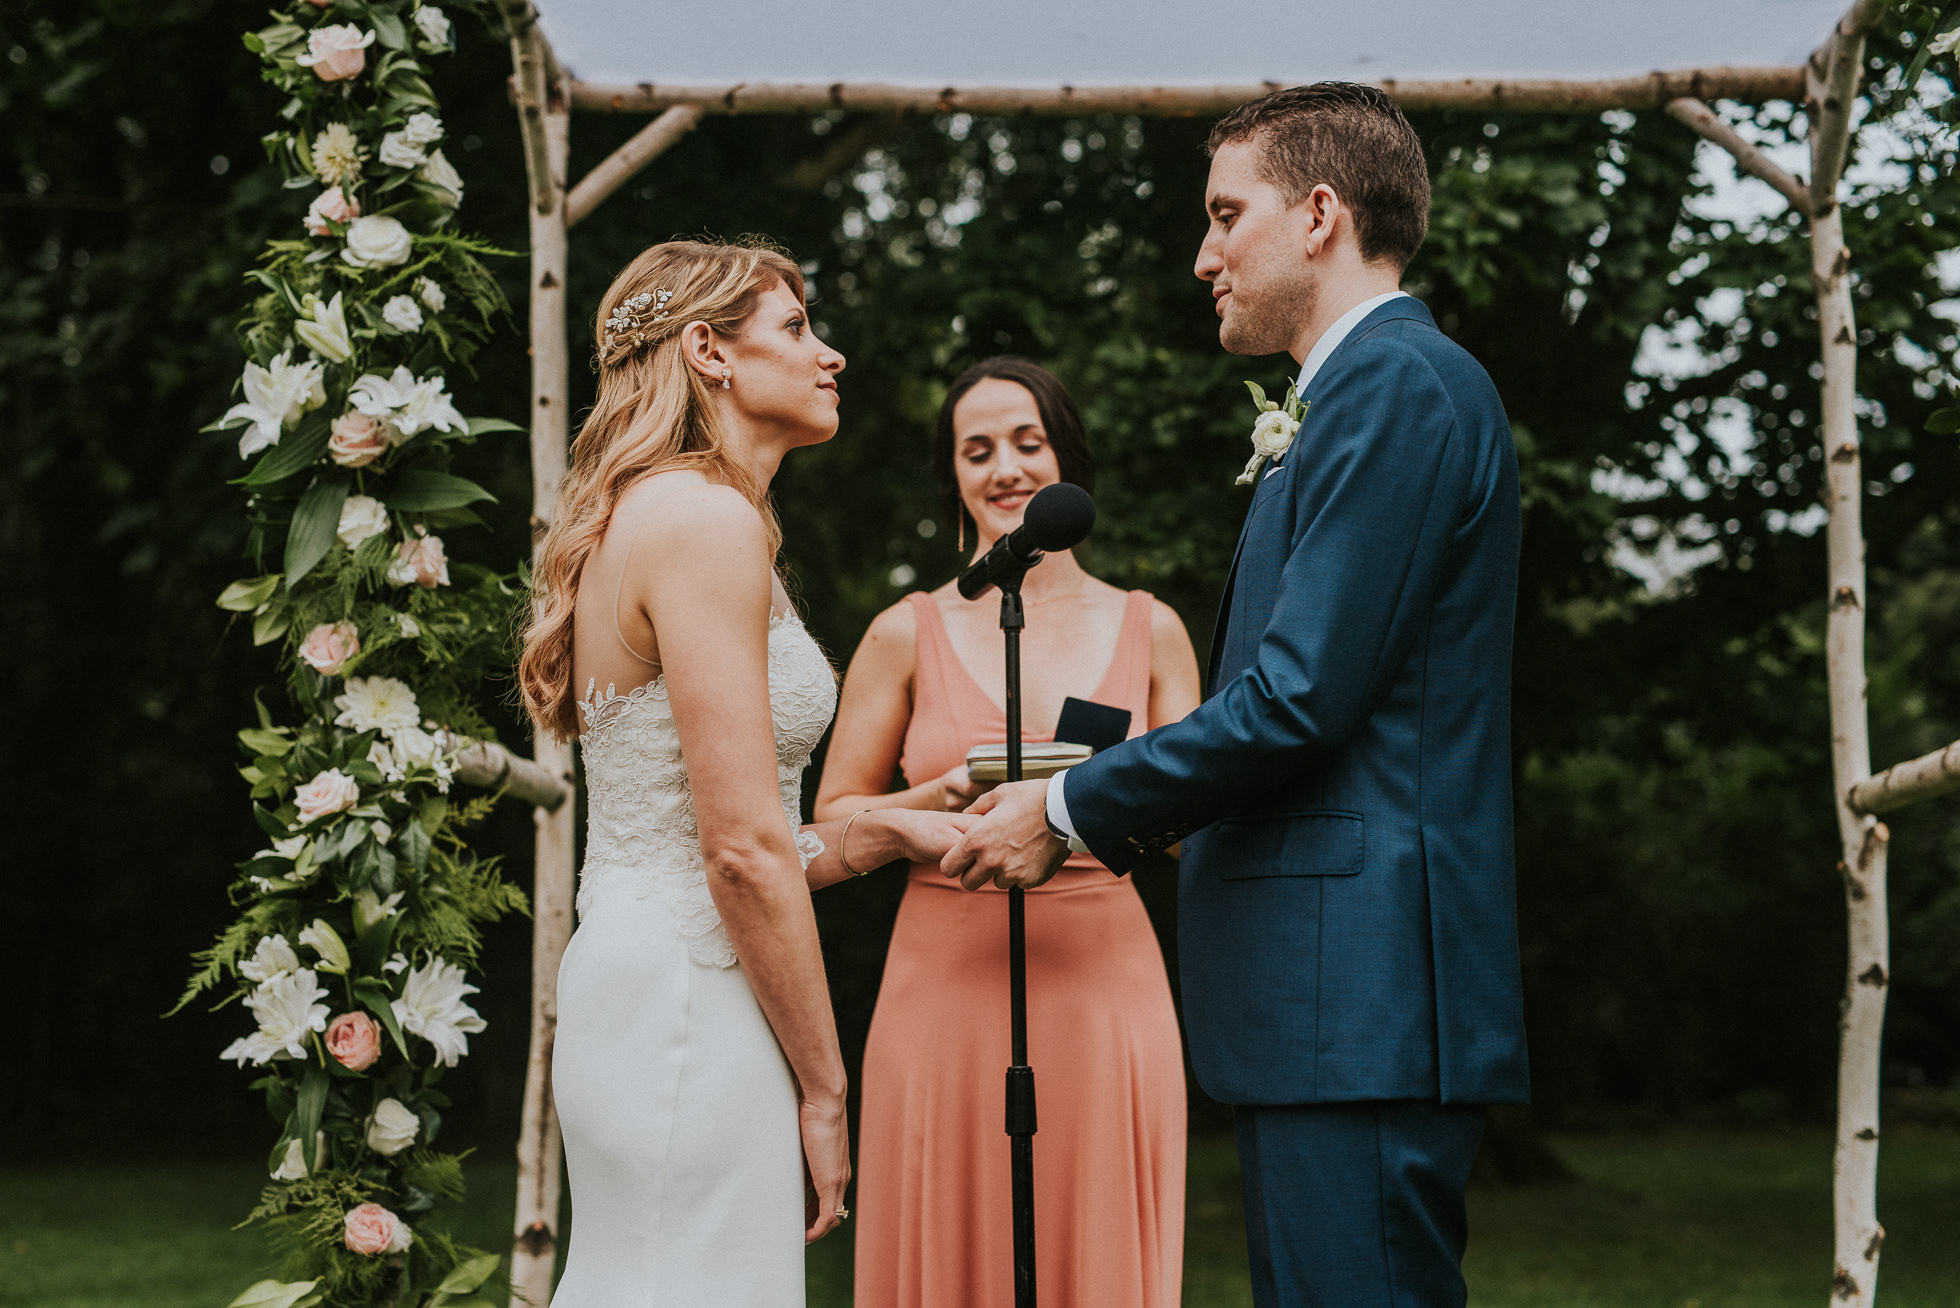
{"x":1038,"y":759}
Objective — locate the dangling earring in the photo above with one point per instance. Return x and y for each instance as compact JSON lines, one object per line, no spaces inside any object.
{"x":724,"y":379}
{"x":961,"y":547}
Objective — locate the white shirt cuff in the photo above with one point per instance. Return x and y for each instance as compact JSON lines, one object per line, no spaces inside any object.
{"x":1058,"y":814}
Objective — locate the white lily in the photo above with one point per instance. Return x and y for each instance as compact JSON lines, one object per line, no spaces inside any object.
{"x":326,"y":942}
{"x":288,"y":1008}
{"x":275,"y":397}
{"x":272,"y":958}
{"x":432,"y":1007}
{"x":324,"y":330}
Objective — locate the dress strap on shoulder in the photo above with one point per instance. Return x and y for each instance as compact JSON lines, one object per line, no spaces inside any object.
{"x":619,"y":586}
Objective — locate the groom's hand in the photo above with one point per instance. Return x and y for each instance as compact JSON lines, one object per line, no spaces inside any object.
{"x":1011,"y":844}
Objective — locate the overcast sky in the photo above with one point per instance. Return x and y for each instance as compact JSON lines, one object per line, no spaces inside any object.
{"x":1109,"y":42}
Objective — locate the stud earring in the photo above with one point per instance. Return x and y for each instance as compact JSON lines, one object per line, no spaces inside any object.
{"x":724,"y":379}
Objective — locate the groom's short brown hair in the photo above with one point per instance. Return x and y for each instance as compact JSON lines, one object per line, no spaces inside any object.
{"x":1352,"y":138}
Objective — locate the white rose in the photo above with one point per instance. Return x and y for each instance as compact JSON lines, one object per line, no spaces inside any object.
{"x":422,"y":129}
{"x":430,"y":294}
{"x":397,"y":151}
{"x":377,"y":241}
{"x":403,"y":314}
{"x":392,"y":1128}
{"x":433,"y":24}
{"x":293,"y":1166}
{"x":361,"y":516}
{"x":332,"y":791}
{"x":1273,"y":433}
{"x":420,"y":561}
{"x":440,"y":172}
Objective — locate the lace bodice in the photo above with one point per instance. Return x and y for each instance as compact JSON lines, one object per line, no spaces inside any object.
{"x":640,"y":833}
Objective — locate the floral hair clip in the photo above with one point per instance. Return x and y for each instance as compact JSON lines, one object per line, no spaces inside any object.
{"x":633,"y":315}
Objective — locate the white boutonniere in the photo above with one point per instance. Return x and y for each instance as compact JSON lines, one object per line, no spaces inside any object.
{"x":1273,"y":434}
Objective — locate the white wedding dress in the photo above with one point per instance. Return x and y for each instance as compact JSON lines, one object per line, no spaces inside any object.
{"x":678,"y":1108}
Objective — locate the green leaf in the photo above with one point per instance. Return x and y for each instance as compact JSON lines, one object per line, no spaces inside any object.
{"x":269,"y":823}
{"x":482,"y":426}
{"x":388,"y":29}
{"x":469,"y":1275}
{"x":297,"y":451}
{"x":1944,"y":422}
{"x":244,"y":596}
{"x":374,"y":996}
{"x":270,"y":626}
{"x":314,"y":523}
{"x":260,"y":741}
{"x":306,"y":1113}
{"x":1259,"y":396}
{"x":414,"y":842}
{"x":420,"y":491}
{"x":274,"y":1294}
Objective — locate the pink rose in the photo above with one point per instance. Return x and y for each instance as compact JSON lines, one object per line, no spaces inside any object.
{"x":331,"y":204}
{"x":355,"y":1040}
{"x":328,"y":647}
{"x":357,"y":439}
{"x":373,"y":1230}
{"x":333,"y":791}
{"x":420,"y":561}
{"x":336,"y":53}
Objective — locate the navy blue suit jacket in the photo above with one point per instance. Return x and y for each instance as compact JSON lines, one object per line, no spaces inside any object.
{"x":1347,"y":909}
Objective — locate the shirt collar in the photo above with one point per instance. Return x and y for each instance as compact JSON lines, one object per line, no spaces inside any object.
{"x":1331,"y":340}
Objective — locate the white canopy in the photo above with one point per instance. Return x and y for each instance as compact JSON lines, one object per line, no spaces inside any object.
{"x":1087,"y":43}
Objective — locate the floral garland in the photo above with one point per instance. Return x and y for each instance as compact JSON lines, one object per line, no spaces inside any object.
{"x":358,"y":919}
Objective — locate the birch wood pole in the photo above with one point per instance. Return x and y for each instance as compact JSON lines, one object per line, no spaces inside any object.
{"x":544,"y":116}
{"x":1833,"y":77}
{"x":1516,"y":95}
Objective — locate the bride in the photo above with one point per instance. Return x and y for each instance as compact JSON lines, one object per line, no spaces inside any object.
{"x":697,"y":1074}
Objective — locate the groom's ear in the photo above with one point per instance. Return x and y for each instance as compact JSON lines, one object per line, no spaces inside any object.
{"x":1322,"y":214}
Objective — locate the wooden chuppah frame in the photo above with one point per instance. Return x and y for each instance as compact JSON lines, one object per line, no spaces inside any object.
{"x":1827,"y":87}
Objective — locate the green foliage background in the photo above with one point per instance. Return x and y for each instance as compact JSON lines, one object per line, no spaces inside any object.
{"x":1682,"y":922}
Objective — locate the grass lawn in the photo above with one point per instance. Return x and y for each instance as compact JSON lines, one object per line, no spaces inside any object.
{"x":1674,"y":1220}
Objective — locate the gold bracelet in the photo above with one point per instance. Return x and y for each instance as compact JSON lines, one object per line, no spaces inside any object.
{"x":843,"y":840}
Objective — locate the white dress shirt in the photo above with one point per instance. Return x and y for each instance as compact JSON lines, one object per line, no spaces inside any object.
{"x":1329,"y":341}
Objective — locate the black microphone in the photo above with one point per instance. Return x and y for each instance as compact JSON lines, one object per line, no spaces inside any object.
{"x":1058,"y":517}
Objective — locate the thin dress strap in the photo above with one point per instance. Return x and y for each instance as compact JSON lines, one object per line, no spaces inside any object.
{"x":620,"y":585}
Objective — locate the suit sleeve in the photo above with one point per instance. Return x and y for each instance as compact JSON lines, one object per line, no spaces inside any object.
{"x":1378,"y":478}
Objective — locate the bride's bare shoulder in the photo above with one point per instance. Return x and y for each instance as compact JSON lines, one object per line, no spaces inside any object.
{"x":685,"y":505}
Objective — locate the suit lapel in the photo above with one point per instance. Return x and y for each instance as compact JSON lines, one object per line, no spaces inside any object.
{"x":1400,"y":307}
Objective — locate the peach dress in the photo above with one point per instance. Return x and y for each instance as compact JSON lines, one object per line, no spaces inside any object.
{"x":934,"y":1195}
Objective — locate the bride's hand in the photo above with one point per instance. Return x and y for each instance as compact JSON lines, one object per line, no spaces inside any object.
{"x":827,"y":1164}
{"x":923,"y":836}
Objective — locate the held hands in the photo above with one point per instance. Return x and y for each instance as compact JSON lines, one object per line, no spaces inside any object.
{"x":826,"y":1166}
{"x":1010,"y":845}
{"x":925,"y":837}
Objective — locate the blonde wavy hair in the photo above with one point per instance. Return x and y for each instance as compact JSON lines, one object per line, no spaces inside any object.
{"x":654,"y":413}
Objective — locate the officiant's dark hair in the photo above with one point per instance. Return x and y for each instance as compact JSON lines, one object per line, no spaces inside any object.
{"x":1352,"y":138}
{"x":1060,"y":419}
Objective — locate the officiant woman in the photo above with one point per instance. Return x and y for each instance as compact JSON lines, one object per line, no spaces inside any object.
{"x":933,"y":1201}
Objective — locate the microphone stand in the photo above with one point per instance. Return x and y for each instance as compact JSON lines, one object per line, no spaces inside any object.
{"x":1020,"y":1077}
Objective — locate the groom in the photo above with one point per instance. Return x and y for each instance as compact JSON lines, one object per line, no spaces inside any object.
{"x":1347,"y":914}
